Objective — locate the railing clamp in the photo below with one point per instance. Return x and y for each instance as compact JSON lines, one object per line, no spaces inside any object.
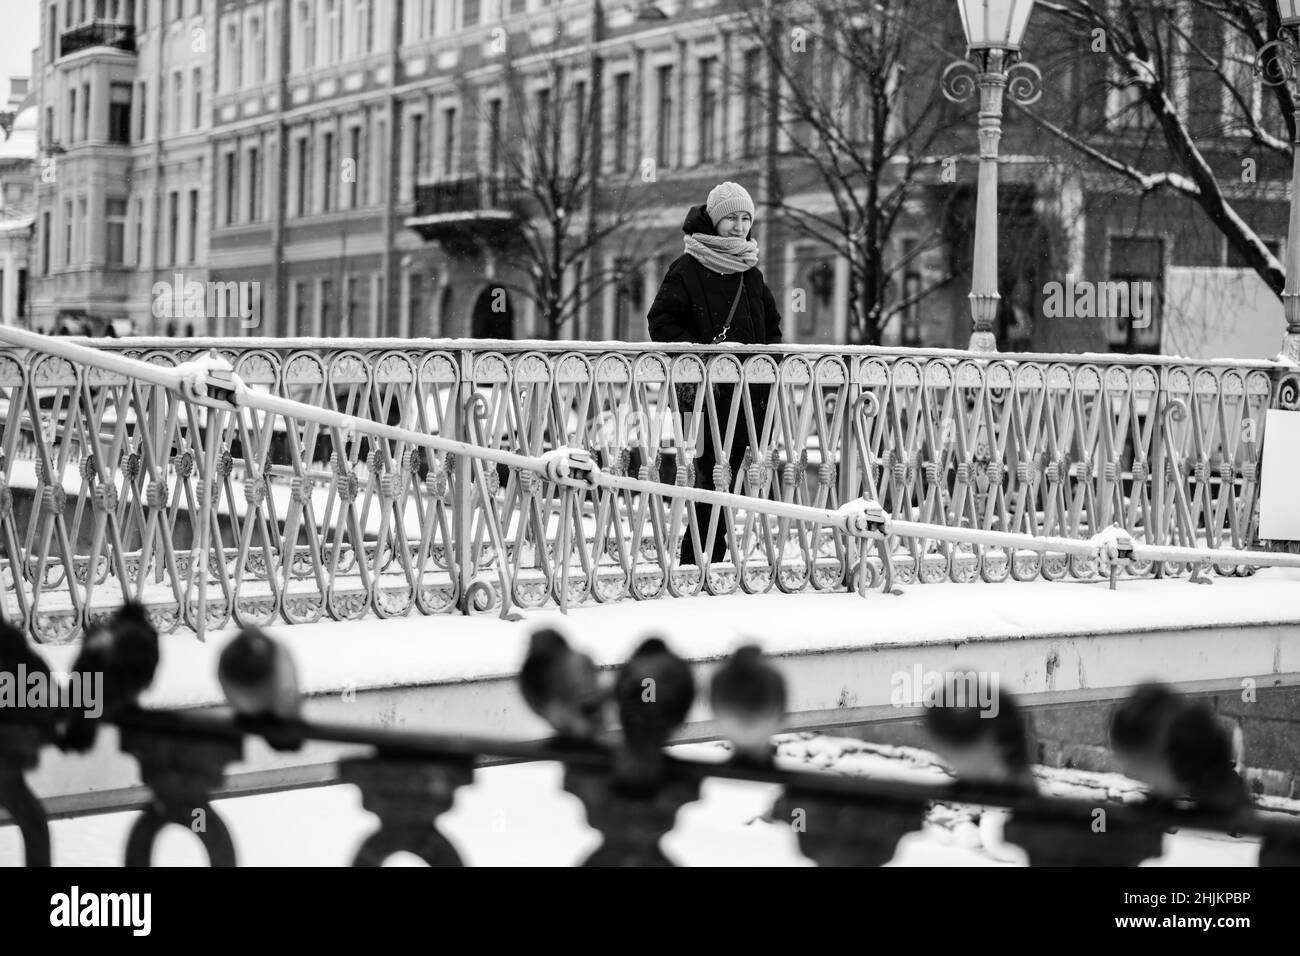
{"x":570,"y":465}
{"x":209,"y":380}
{"x":865,"y":518}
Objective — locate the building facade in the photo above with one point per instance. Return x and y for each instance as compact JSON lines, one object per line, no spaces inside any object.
{"x":364,"y":168}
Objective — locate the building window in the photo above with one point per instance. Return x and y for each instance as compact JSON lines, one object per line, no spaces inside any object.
{"x":1139,"y":262}
{"x":708,"y":110}
{"x":141,"y":127}
{"x":139,"y":231}
{"x":366,"y":33}
{"x":414,"y":302}
{"x":232,"y":187}
{"x":45,"y":243}
{"x":494,"y":138}
{"x":254,"y":185}
{"x":119,"y":113}
{"x":67,"y":232}
{"x":330,"y":171}
{"x":417,"y":146}
{"x":301,"y":302}
{"x":1236,"y":260}
{"x":448,"y":140}
{"x":178,"y":102}
{"x":380,"y":154}
{"x":349,"y":305}
{"x":173,"y":226}
{"x":354,"y":175}
{"x":326,"y":326}
{"x":300,"y":200}
{"x":629,"y":295}
{"x":196,"y":90}
{"x":664,"y":116}
{"x":750,"y":107}
{"x":543,"y":98}
{"x":83,"y":217}
{"x":115,"y":231}
{"x":193,"y":245}
{"x":232,"y":66}
{"x":72,"y":116}
{"x":257,"y":51}
{"x":622,"y":119}
{"x":333,"y":31}
{"x":307,"y":28}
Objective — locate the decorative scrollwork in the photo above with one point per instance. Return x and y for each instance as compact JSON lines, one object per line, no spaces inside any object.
{"x":1288,"y":392}
{"x":1024,"y":83}
{"x":959,"y":81}
{"x":1275,"y":61}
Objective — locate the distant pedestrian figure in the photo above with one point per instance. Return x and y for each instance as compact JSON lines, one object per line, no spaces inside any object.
{"x":714,"y":293}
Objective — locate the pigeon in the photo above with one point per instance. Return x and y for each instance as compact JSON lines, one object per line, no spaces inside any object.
{"x":980,"y":744}
{"x":1201,"y":757}
{"x":748,"y":698}
{"x":654,"y":691}
{"x":562,"y":686}
{"x":259,"y":678}
{"x":1139,"y":732}
{"x":125,"y":652}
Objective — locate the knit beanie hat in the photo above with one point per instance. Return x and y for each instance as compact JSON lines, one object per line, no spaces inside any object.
{"x":726,"y":198}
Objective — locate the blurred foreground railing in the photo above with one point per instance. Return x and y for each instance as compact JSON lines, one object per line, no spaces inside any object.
{"x":111,"y":487}
{"x":410,"y":779}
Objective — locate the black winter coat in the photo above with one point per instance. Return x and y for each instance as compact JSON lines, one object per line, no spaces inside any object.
{"x":693,"y":300}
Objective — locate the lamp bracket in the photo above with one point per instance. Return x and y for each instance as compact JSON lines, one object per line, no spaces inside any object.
{"x":1024,"y":81}
{"x":1279,"y":67}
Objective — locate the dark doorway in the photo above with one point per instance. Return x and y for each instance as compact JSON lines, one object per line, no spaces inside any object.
{"x":494,"y":315}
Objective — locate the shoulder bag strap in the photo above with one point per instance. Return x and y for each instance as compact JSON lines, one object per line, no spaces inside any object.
{"x":726,"y":326}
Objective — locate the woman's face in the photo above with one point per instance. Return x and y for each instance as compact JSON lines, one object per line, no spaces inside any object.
{"x":736,"y":224}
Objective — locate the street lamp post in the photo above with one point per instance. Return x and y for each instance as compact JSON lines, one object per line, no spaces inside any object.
{"x":993,"y":30}
{"x":1282,"y":66}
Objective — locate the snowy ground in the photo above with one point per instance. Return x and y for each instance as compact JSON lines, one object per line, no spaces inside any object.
{"x":518,"y":816}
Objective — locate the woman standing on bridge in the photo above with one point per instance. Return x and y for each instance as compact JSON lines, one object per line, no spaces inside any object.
{"x":712,"y":294}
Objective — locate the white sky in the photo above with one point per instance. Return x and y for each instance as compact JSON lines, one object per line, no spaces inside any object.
{"x":21,"y":33}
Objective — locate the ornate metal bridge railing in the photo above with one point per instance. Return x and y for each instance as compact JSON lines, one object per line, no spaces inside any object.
{"x":410,"y":779}
{"x":110,"y":487}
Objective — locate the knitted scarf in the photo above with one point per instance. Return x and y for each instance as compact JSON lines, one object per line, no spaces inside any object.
{"x":725,"y":254}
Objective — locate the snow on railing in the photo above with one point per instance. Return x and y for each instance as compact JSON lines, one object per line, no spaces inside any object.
{"x":347,"y":478}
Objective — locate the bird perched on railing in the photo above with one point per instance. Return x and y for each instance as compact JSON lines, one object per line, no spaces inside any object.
{"x":1139,"y":734}
{"x":125,"y":652}
{"x":654,"y":691}
{"x":18,"y":657}
{"x":748,"y":697}
{"x":1179,"y":749}
{"x":562,"y":686}
{"x":258,"y":677}
{"x":984,"y":740}
{"x":1205,"y":762}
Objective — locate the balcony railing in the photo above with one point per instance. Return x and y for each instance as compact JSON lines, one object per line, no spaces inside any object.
{"x":114,"y":488}
{"x":109,"y":33}
{"x":473,"y":194}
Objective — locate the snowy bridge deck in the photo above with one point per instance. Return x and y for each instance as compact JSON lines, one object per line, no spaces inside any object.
{"x":842,"y":657}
